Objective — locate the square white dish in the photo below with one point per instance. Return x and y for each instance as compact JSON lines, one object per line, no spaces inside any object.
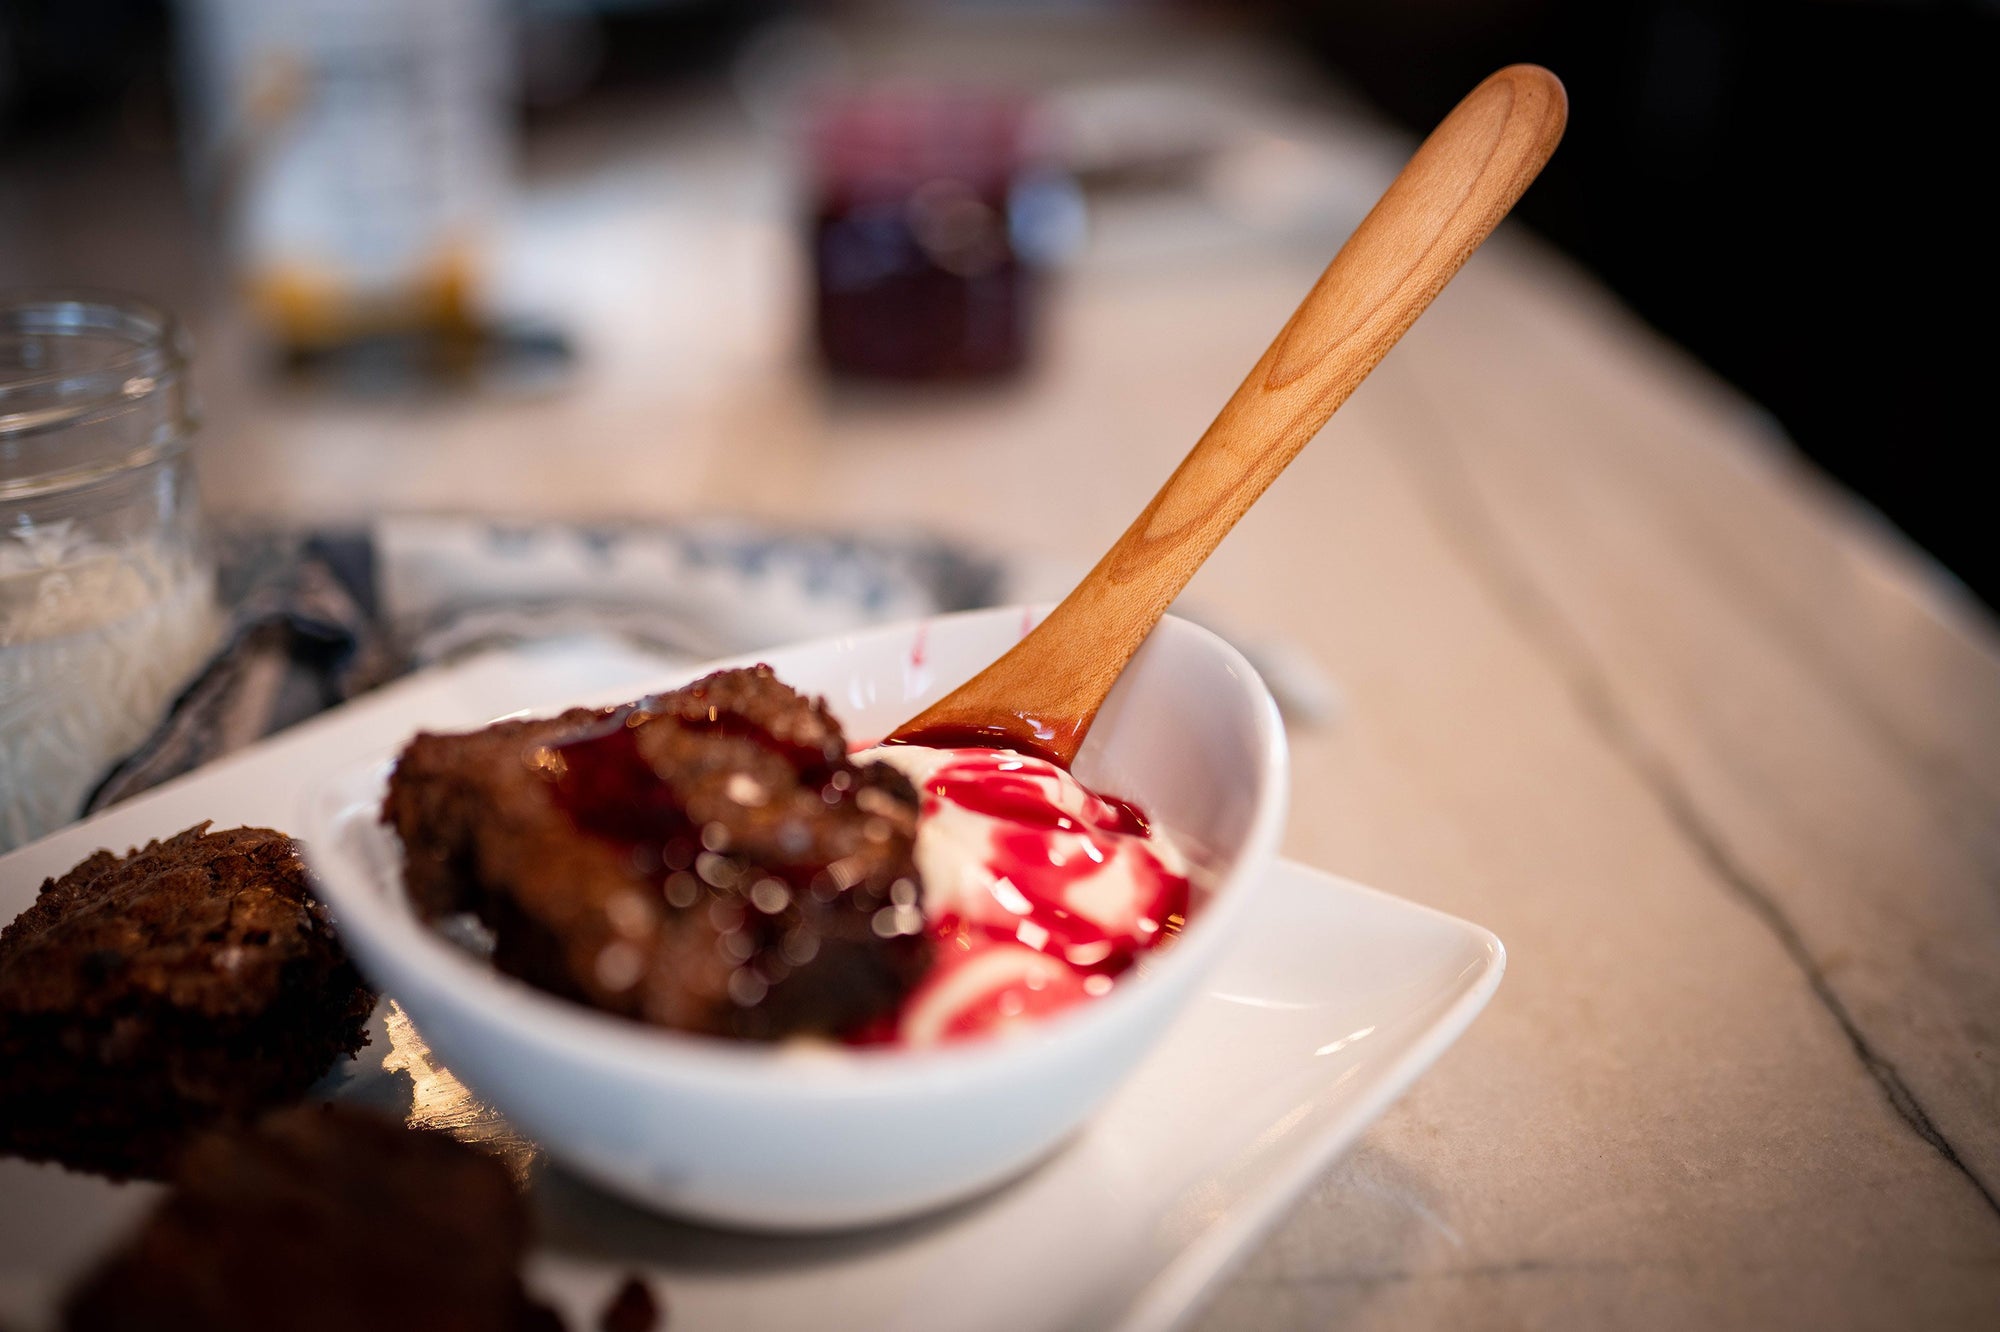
{"x":1332,"y":1000}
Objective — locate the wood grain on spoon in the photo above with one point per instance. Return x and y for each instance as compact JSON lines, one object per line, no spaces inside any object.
{"x":1044,"y":693}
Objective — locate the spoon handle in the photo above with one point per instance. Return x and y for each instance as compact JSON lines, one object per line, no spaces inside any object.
{"x":1446,"y":200}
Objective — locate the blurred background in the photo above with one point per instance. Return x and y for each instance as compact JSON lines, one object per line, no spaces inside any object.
{"x":370,"y":207}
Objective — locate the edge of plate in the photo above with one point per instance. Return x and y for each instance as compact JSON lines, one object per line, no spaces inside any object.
{"x":1182,"y":1289}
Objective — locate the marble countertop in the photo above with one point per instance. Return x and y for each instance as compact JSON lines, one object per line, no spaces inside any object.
{"x":1622,"y":678}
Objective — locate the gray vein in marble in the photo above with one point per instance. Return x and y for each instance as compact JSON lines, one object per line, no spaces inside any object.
{"x":1467,"y":525}
{"x":1957,"y":785}
{"x":1956,"y":788}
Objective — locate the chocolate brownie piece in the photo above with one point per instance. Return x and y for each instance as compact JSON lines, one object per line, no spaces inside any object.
{"x":707,"y":859}
{"x":632,"y":1308}
{"x":322,"y":1219}
{"x":146,"y":996}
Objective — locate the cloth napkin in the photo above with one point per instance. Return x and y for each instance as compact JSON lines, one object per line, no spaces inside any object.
{"x":318,"y":617}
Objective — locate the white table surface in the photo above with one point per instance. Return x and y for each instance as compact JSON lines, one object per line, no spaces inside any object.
{"x":1714,"y":752}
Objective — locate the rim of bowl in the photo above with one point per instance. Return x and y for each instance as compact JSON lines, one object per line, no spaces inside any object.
{"x":831,"y":1070}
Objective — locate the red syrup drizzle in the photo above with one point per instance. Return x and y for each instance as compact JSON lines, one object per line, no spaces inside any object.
{"x":1017,"y":1000}
{"x":609,"y":790}
{"x":607,"y":787}
{"x":1044,"y":852}
{"x":985,"y":737}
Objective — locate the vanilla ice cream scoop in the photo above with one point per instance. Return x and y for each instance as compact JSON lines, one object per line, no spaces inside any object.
{"x":1037,"y":890}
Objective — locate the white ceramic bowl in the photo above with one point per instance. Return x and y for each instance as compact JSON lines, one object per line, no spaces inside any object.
{"x":795,"y":1138}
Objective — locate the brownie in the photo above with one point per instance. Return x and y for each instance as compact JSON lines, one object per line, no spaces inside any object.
{"x":632,"y":1308}
{"x":322,"y":1219}
{"x":147,"y":996}
{"x":707,"y":859}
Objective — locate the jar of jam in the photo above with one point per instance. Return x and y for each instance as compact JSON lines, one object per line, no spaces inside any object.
{"x":933,"y":211}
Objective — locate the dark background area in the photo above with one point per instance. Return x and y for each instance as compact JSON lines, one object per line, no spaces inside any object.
{"x":1791,"y":189}
{"x":1785,"y":187}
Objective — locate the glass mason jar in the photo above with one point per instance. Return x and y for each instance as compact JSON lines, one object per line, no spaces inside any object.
{"x":107,"y":596}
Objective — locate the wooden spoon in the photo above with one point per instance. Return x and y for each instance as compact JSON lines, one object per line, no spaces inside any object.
{"x":1042,"y":696}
